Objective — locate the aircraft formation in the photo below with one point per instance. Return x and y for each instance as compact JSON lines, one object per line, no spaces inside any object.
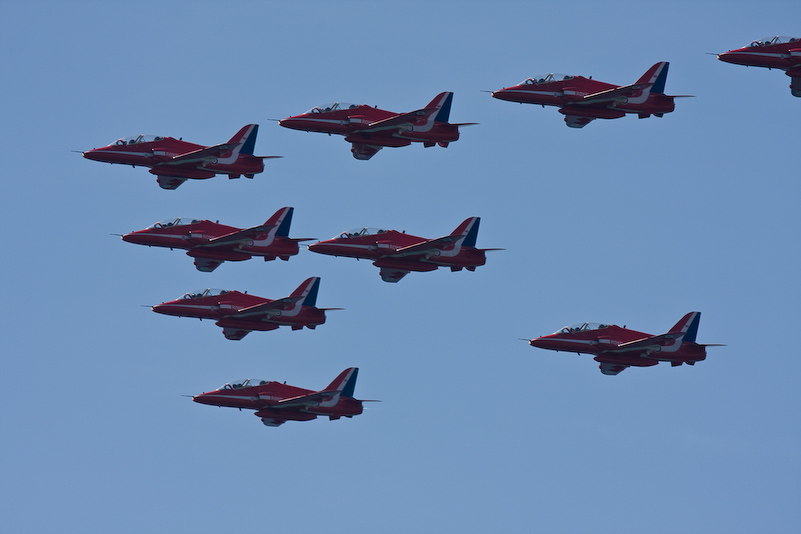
{"x":369,"y":129}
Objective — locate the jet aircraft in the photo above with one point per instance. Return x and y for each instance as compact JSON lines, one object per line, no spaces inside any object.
{"x":582,"y":100}
{"x":174,"y":161}
{"x":617,"y":348}
{"x":275,"y":403}
{"x":240,"y":313}
{"x":397,"y":253}
{"x":370,"y":129}
{"x":211,"y":243}
{"x":779,"y":52}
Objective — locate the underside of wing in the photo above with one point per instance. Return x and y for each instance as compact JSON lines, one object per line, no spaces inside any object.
{"x":392,"y":275}
{"x":364,"y":152}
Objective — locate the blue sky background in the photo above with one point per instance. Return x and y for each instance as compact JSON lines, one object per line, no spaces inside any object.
{"x":632,"y":222}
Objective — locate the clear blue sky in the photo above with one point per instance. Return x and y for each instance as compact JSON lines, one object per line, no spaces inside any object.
{"x":632,"y":222}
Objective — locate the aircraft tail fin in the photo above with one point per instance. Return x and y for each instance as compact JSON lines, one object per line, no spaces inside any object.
{"x":308,"y":291}
{"x":246,"y":137}
{"x":442,"y":106}
{"x":656,"y":75}
{"x":687,"y":327}
{"x":345,"y":383}
{"x":469,"y":229}
{"x":281,"y":219}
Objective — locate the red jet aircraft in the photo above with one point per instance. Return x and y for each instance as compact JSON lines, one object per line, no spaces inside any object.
{"x":617,"y":348}
{"x":370,"y":129}
{"x":275,"y":403}
{"x":398,"y":253}
{"x":582,"y":100}
{"x":174,"y":161}
{"x":239,"y":313}
{"x":212,"y":243}
{"x":779,"y":52}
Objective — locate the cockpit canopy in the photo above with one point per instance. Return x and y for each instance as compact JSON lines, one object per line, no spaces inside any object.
{"x":581,"y":327}
{"x":199,"y":294}
{"x":334,"y":106}
{"x":358,"y":232}
{"x":168,"y":223}
{"x":778,"y":39}
{"x":244,"y":383}
{"x":545,"y":78}
{"x":136,"y":139}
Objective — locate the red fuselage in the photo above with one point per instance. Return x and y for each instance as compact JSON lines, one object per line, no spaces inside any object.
{"x":382,"y":247}
{"x":266,"y":394}
{"x":161,"y":151}
{"x":196,"y":235}
{"x":775,"y":53}
{"x":226,"y":306}
{"x":567,"y":91}
{"x":369,"y":129}
{"x":604,"y":340}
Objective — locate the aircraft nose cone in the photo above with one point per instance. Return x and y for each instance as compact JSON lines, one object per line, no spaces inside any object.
{"x":540,"y":342}
{"x":500,"y":94}
{"x":320,"y":247}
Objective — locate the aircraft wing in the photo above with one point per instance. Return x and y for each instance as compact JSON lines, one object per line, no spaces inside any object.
{"x":364,"y":152}
{"x":426,"y":247}
{"x":268,"y":309}
{"x":235,"y":238}
{"x":400,"y":121}
{"x":312,"y":399}
{"x":204,"y":154}
{"x":392,"y":275}
{"x":618,"y":94}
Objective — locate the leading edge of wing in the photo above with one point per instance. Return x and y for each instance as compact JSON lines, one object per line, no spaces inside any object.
{"x":399,"y":121}
{"x":268,"y":309}
{"x":432,"y":245}
{"x":238,"y":236}
{"x":311,"y":399}
{"x":202,"y":154}
{"x":612,"y":95}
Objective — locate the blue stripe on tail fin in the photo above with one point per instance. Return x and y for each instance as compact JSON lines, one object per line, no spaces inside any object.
{"x":692,"y":330}
{"x":472,"y":235}
{"x":659,"y":84}
{"x":445,"y":110}
{"x":250,"y":143}
{"x":311,"y":296}
{"x":283,"y":230}
{"x":350,"y":386}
